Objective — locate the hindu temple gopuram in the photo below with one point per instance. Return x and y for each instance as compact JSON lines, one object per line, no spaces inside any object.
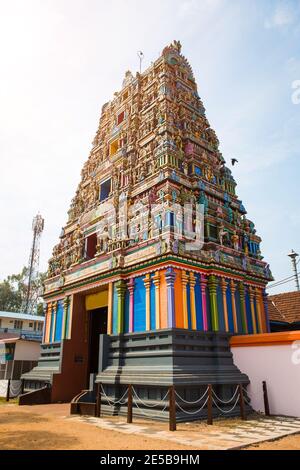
{"x":157,"y":265}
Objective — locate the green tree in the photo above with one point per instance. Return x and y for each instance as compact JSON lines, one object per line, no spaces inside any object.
{"x":13,"y":291}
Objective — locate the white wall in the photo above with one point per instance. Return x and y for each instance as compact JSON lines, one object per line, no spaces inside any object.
{"x":9,"y":323}
{"x":15,"y":388}
{"x":27,"y":351}
{"x":279,"y":366}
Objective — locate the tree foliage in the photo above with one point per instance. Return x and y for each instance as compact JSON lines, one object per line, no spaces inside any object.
{"x":13,"y":291}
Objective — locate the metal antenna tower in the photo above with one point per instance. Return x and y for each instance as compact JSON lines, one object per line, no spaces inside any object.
{"x":33,"y":289}
{"x":141,"y":58}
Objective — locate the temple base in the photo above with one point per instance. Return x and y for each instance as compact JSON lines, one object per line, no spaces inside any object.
{"x":152,"y":362}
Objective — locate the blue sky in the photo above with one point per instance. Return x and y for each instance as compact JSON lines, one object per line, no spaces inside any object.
{"x":61,"y":60}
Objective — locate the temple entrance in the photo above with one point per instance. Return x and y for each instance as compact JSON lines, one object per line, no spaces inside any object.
{"x":97,"y":326}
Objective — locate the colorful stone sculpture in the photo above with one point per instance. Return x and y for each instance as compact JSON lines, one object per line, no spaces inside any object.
{"x":127,"y":235}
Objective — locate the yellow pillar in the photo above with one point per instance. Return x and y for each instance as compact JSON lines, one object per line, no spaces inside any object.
{"x":147,"y":283}
{"x":233,"y":289}
{"x":156,"y":281}
{"x":225,"y":309}
{"x":184,"y":281}
{"x":193,"y":301}
{"x":110,"y":309}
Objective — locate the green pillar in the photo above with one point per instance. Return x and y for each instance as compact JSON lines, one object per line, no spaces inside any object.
{"x":212,"y":286}
{"x":243,"y":307}
{"x":66,"y":319}
{"x":121,"y":289}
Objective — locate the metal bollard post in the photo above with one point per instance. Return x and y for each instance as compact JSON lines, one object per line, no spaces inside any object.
{"x":266,"y":398}
{"x":8,"y":390}
{"x":209,"y":406}
{"x":242,"y":403}
{"x":98,"y":401}
{"x":172,"y":409}
{"x":129,"y":404}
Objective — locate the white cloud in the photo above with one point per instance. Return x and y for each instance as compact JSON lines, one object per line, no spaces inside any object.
{"x":283,"y":15}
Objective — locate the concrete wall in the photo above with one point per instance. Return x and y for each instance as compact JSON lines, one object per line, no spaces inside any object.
{"x":27,"y":350}
{"x":275,"y":358}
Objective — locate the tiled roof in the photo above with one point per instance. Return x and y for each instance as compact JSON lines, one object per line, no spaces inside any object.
{"x":284,"y":307}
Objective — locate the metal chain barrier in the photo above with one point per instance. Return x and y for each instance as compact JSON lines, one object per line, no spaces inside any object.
{"x":210,"y":397}
{"x":147,"y":414}
{"x":15,"y":391}
{"x":248,"y":401}
{"x":191,"y":402}
{"x":192,"y":412}
{"x":146,"y":404}
{"x":114,"y":403}
{"x":226,"y":411}
{"x":226,"y":402}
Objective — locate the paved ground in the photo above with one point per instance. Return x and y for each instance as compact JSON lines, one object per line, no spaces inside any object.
{"x":51,"y":427}
{"x":233,"y":434}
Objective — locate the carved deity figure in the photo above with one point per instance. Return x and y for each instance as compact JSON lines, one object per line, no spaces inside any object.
{"x":235,"y":241}
{"x":222,"y":234}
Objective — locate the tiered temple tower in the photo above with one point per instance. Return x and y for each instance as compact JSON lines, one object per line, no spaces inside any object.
{"x":156,"y":238}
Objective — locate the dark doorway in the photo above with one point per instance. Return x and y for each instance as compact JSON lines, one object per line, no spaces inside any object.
{"x":97,"y":326}
{"x":90,"y":246}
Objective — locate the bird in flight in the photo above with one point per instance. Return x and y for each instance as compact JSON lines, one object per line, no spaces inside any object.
{"x":234,"y":161}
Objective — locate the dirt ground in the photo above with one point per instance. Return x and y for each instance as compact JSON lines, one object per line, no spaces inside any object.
{"x":286,"y":443}
{"x":45,"y":427}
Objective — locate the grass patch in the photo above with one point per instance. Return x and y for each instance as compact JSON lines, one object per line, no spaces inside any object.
{"x":11,"y":401}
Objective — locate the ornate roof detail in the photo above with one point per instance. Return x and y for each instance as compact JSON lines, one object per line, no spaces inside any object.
{"x":153,"y":145}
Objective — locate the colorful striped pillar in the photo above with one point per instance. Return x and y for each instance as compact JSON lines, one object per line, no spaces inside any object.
{"x":54,"y":309}
{"x":121,"y":289}
{"x":212,"y":286}
{"x":243,"y":307}
{"x":70,"y":316}
{"x":156,"y":281}
{"x":147,"y":284}
{"x":170,"y":279}
{"x":258,"y":309}
{"x":130,"y":286}
{"x":232,"y":291}
{"x":251,"y":297}
{"x":47,"y":323}
{"x":265,"y":302}
{"x":110,"y":309}
{"x":184,"y":282}
{"x":262,"y":311}
{"x":65,"y":318}
{"x":193,"y":301}
{"x":224,"y":298}
{"x":204,"y":303}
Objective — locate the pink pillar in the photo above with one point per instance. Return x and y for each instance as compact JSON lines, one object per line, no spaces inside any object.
{"x":131,"y":304}
{"x":204,"y":304}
